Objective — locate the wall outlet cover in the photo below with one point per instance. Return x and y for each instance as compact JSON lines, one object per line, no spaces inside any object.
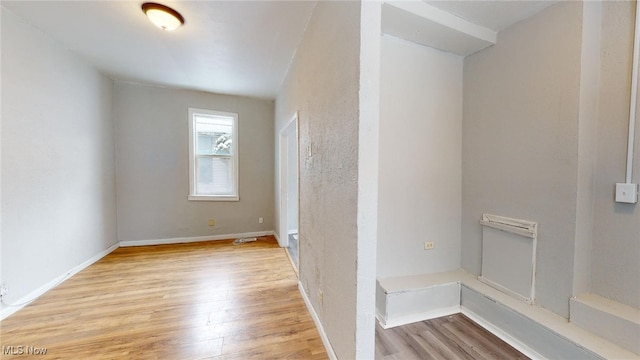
{"x":626,"y":193}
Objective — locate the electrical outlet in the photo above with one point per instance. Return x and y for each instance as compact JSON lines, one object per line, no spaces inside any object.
{"x":212,"y":222}
{"x":4,"y":289}
{"x":428,"y":245}
{"x":260,"y":220}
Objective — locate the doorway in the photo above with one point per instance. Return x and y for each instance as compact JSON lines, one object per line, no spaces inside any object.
{"x":289,"y":189}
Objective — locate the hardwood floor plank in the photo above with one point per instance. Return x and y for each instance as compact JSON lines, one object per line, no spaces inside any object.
{"x":454,"y":341}
{"x":431,"y":343}
{"x":450,"y":337}
{"x":209,"y":300}
{"x":474,"y":339}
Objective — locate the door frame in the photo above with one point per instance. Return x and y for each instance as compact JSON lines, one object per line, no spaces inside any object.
{"x":290,"y":129}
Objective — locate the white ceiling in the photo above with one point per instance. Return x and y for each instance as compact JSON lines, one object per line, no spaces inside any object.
{"x":230,"y":47}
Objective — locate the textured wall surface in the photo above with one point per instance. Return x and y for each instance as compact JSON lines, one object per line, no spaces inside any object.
{"x":616,"y":234}
{"x":420,"y":159}
{"x":322,"y":84}
{"x":519,"y":152}
{"x":153,"y":159}
{"x":58,"y":166}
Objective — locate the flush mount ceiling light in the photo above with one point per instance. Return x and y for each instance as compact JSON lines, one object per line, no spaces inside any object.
{"x":162,"y":16}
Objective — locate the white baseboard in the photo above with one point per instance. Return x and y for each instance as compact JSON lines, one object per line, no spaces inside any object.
{"x":25,"y":300}
{"x":275,"y":235}
{"x":316,"y":320}
{"x":93,"y":259}
{"x":423,"y":316}
{"x":180,"y":240}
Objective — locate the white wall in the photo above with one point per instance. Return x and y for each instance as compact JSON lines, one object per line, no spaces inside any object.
{"x":520,"y":142}
{"x":419,"y":195}
{"x":152,"y":165}
{"x":58,"y":171}
{"x":323,"y":85}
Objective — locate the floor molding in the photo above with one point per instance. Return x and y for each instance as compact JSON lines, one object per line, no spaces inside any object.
{"x":180,"y":240}
{"x":33,"y":295}
{"x":316,"y":319}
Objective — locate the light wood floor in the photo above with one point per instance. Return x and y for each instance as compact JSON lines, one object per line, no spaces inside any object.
{"x":450,"y":337}
{"x":209,"y":300}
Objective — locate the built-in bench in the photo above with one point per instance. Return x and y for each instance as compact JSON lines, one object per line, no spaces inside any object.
{"x":536,"y":332}
{"x":611,"y":320}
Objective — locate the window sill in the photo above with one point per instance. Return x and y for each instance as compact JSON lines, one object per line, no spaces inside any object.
{"x":213,"y":198}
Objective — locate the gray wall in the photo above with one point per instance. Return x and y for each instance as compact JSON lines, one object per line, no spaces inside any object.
{"x":519,"y":142}
{"x":616,"y":234}
{"x":58,"y":170}
{"x":322,"y":84}
{"x":152,"y":165}
{"x":545,"y":137}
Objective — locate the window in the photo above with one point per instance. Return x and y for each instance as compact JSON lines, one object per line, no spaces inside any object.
{"x":213,"y":155}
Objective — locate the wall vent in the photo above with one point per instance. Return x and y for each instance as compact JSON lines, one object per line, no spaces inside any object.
{"x":509,"y":255}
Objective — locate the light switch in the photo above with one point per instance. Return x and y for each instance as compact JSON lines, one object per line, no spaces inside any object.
{"x":626,"y":193}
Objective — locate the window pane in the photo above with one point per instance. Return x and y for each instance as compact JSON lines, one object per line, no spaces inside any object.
{"x":213,"y":162}
{"x":214,"y":135}
{"x":214,"y":176}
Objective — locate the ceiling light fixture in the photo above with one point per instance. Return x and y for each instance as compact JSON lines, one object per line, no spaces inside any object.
{"x":162,"y":16}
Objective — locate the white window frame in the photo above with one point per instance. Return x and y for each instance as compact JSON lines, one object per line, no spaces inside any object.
{"x":235,"y":196}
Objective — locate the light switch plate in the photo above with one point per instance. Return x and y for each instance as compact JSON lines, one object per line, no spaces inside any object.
{"x":626,"y":193}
